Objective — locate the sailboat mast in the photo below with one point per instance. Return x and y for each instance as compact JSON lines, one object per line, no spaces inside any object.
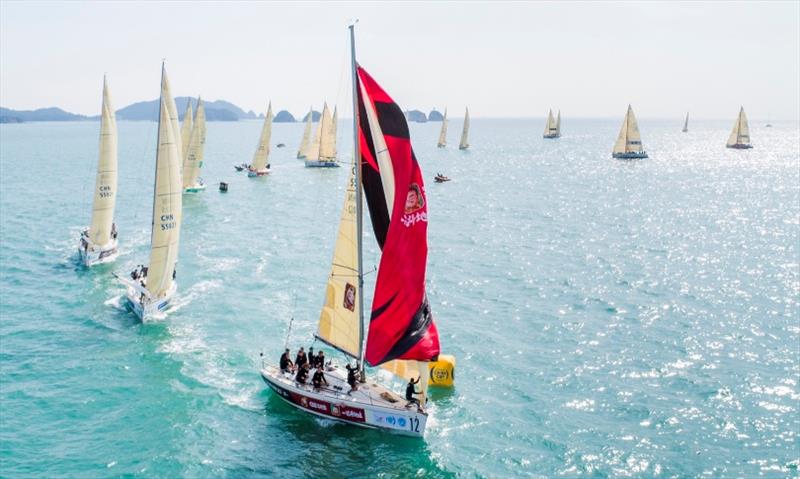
{"x":158,"y":142}
{"x":359,"y":223}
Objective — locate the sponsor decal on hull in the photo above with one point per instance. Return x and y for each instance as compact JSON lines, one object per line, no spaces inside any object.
{"x":337,"y":411}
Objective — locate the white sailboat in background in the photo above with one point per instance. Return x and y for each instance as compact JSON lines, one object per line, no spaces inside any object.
{"x":98,"y":243}
{"x":301,"y":152}
{"x":259,"y":165}
{"x":195,"y":146}
{"x":552,"y":128}
{"x":443,"y":133}
{"x":464,"y":143}
{"x":150,"y":289}
{"x":740,"y":135}
{"x":321,"y":153}
{"x":629,"y":142}
{"x":686,"y":123}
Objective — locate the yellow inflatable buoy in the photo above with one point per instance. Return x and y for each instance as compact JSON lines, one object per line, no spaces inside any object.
{"x":443,"y":371}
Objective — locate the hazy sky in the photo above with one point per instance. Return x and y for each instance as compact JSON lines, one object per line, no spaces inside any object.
{"x":501,"y":59}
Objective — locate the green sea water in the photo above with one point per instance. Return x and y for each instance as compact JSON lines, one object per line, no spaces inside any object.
{"x":609,"y":318}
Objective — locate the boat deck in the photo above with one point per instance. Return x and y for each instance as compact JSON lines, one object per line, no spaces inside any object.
{"x":369,"y":393}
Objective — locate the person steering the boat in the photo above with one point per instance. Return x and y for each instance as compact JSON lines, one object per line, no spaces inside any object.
{"x":411,"y":390}
{"x":319,"y":378}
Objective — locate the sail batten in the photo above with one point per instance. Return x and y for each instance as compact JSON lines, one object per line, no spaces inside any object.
{"x":105,"y":191}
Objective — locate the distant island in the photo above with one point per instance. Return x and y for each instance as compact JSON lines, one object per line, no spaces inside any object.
{"x":284,"y":116}
{"x":434,"y":115}
{"x":416,"y":116}
{"x":42,"y":114}
{"x":315,"y":117}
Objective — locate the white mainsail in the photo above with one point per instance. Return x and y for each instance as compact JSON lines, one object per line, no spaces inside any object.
{"x":261,"y":155}
{"x":550,"y":124}
{"x":629,"y":140}
{"x":443,"y":133}
{"x":301,"y":152}
{"x":740,"y":135}
{"x":167,"y":206}
{"x":186,"y":131}
{"x":312,"y":152}
{"x":327,"y":140}
{"x":464,"y":144}
{"x":195,"y":147}
{"x":172,"y":111}
{"x":339,"y":320}
{"x":105,"y":189}
{"x":686,"y":123}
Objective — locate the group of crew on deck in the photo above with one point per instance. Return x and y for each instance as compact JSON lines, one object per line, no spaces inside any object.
{"x":303,"y":364}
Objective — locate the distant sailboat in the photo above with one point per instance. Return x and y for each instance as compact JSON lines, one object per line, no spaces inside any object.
{"x":552,"y":127}
{"x":259,"y":165}
{"x":443,"y":133}
{"x":740,"y":135}
{"x":686,"y":123}
{"x":464,"y":143}
{"x":301,"y":152}
{"x":322,"y":151}
{"x":193,"y":159}
{"x":150,"y":289}
{"x":98,"y":243}
{"x":629,"y":142}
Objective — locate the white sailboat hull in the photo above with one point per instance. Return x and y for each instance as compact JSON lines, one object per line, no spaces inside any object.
{"x":92,"y":254}
{"x":322,"y":164}
{"x":740,"y":146}
{"x":371,"y":406}
{"x":632,"y":155}
{"x":195,"y":188}
{"x":141,"y":305}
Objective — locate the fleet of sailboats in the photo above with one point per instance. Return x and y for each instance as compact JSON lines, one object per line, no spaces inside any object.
{"x":98,"y":243}
{"x":259,"y":165}
{"x":150,"y":289}
{"x":552,"y":129}
{"x":194,"y":148}
{"x":629,"y":142}
{"x":740,"y":134}
{"x":464,"y":143}
{"x":321,"y":152}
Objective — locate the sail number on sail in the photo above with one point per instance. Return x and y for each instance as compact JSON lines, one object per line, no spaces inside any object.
{"x":168,"y":222}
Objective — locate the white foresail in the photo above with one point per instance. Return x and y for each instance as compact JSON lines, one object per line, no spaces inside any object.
{"x":195,"y":147}
{"x":166,"y":208}
{"x":301,"y":152}
{"x":619,"y":146}
{"x":686,"y":123}
{"x":443,"y":133}
{"x":327,"y":141}
{"x":186,"y":131}
{"x":464,"y":143}
{"x":105,"y":188}
{"x":261,"y":155}
{"x":339,"y":323}
{"x":172,"y":110}
{"x":550,"y":124}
